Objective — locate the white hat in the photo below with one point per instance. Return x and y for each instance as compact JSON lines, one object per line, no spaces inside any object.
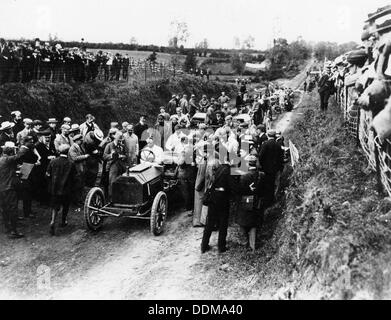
{"x":9,"y":144}
{"x":75,"y":127}
{"x":27,"y":120}
{"x":66,"y":127}
{"x":67,"y":119}
{"x":52,"y":120}
{"x":16,"y":113}
{"x":98,"y":134}
{"x":7,"y":125}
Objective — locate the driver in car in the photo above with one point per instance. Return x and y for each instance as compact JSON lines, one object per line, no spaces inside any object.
{"x":151,"y":153}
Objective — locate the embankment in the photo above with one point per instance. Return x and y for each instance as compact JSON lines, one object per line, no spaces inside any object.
{"x":117,"y":101}
{"x":332,"y":236}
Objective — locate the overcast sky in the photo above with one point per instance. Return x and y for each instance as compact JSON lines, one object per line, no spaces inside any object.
{"x":217,"y":20}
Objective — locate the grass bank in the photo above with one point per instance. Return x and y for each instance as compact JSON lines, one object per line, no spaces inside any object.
{"x":118,"y":101}
{"x":333,"y":239}
{"x":328,"y":236}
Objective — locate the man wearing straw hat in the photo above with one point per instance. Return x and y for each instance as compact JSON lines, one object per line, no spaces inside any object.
{"x":6,"y":133}
{"x":8,"y":195}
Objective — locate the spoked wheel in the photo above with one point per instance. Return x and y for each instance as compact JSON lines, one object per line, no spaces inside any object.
{"x":159,"y":213}
{"x":95,"y":199}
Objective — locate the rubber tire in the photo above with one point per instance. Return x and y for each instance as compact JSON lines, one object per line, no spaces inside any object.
{"x":155,"y":215}
{"x":87,"y":202}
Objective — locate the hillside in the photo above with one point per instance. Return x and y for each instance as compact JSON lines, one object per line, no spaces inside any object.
{"x":330,"y":237}
{"x":107,"y":101}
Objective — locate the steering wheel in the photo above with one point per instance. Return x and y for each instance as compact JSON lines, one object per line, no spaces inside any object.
{"x":147,"y":155}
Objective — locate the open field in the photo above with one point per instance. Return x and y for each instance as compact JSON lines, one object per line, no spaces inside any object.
{"x":142,"y":55}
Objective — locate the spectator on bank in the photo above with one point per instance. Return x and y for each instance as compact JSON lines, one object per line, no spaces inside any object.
{"x":325,"y":88}
{"x":172,"y":105}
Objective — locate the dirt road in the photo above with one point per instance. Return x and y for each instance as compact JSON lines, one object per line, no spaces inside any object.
{"x":124,"y":261}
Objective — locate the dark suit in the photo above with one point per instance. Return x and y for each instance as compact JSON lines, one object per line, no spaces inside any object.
{"x":26,"y":187}
{"x":325,"y":90}
{"x":8,"y":194}
{"x":61,"y":172}
{"x":78,"y":157}
{"x":39,"y":176}
{"x":138,"y":131}
{"x":125,"y":68}
{"x":218,"y":211}
{"x":271,"y":159}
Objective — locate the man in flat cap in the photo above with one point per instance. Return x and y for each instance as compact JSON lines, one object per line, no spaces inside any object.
{"x":172,"y":105}
{"x":8,"y":185}
{"x":63,"y":137}
{"x":326,"y":88}
{"x":271,"y":159}
{"x":28,"y":129}
{"x":60,"y":174}
{"x":116,"y":156}
{"x":67,"y":121}
{"x":37,"y":125}
{"x":47,"y":154}
{"x":78,"y":156}
{"x":6,"y":133}
{"x":29,"y":158}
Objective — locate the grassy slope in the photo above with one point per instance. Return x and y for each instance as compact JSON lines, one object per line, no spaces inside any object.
{"x":305,"y":249}
{"x":334,"y":236}
{"x":107,"y":101}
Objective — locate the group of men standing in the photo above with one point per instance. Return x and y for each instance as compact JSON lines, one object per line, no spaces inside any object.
{"x":26,"y":61}
{"x":58,"y":160}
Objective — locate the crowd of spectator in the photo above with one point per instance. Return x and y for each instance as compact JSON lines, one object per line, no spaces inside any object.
{"x":52,"y":162}
{"x":27,"y":61}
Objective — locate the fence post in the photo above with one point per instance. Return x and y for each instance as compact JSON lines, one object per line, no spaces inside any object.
{"x":377,"y":161}
{"x":145,"y":69}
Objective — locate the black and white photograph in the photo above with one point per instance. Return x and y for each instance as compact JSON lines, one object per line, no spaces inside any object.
{"x":202,"y":152}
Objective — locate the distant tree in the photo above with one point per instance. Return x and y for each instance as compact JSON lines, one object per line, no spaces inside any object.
{"x":237,"y":64}
{"x":248,"y":43}
{"x":202,"y":47}
{"x":179,"y":33}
